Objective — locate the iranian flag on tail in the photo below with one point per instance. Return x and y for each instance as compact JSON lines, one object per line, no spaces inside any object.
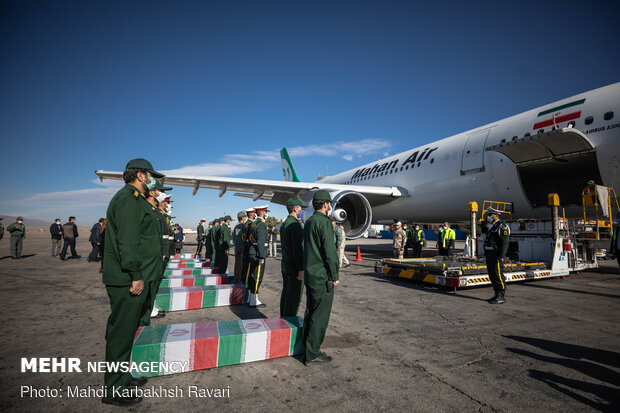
{"x":562,"y":113}
{"x":193,"y":280}
{"x":206,"y":345}
{"x":175,"y":272}
{"x":191,"y":298}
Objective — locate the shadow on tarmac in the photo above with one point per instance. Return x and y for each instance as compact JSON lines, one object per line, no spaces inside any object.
{"x":550,"y":287}
{"x":22,"y":257}
{"x":589,"y":361}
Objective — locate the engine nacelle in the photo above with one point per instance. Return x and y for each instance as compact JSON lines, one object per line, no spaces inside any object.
{"x":352,"y":211}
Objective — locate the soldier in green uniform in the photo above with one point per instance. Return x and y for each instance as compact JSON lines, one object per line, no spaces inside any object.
{"x":258,"y":253}
{"x":247,"y":243}
{"x":214,"y":242}
{"x":292,"y":240}
{"x":18,"y":233}
{"x":132,"y":260}
{"x":321,"y":276}
{"x":200,"y":237}
{"x":208,"y":240}
{"x":1,"y":229}
{"x":237,"y":237}
{"x":495,"y":249}
{"x":167,"y":241}
{"x":224,"y":245}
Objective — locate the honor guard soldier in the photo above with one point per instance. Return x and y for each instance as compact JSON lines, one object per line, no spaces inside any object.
{"x":132,"y":255}
{"x":214,"y":234}
{"x":320,"y":277}
{"x":258,"y":253}
{"x":292,"y":240}
{"x":237,"y":237}
{"x":224,"y":246}
{"x":18,"y":233}
{"x":200,"y":237}
{"x":495,"y":249}
{"x":167,"y":243}
{"x":208,"y":241}
{"x":247,"y":229}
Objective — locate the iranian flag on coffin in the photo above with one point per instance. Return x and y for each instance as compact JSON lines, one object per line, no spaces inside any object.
{"x":213,"y":344}
{"x":196,"y":264}
{"x":563,"y":113}
{"x":191,"y":298}
{"x":192,"y":280}
{"x":184,"y":255}
{"x":179,"y":260}
{"x":189,"y":271}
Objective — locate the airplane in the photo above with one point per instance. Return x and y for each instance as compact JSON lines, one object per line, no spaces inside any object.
{"x":555,"y":148}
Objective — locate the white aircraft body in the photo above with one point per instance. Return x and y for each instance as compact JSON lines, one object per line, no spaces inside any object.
{"x":556,"y":148}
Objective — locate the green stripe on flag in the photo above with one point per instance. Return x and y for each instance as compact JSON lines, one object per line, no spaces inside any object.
{"x":568,"y":105}
{"x":209,"y":297}
{"x":150,"y":345}
{"x":167,"y":273}
{"x":296,"y":325}
{"x":231,"y":343}
{"x":163,"y":299}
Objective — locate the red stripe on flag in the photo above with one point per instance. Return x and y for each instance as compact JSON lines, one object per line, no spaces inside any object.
{"x":194,"y":300}
{"x":187,"y":282}
{"x":559,"y":119}
{"x":186,"y":272}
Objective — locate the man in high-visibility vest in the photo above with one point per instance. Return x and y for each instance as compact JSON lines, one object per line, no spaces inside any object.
{"x":446,"y":240}
{"x":417,"y":241}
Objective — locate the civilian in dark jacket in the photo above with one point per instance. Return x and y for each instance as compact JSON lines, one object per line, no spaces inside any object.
{"x":95,"y":241}
{"x":56,"y":231}
{"x":70,"y":233}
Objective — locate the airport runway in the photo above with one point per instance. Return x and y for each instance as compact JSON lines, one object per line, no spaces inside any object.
{"x":555,"y":346}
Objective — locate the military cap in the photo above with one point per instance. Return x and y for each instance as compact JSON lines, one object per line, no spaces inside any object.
{"x":227,"y":218}
{"x":250,"y":210}
{"x":491,"y":210}
{"x":262,"y":208}
{"x":322,"y":195}
{"x":202,"y":220}
{"x":240,"y":215}
{"x":71,"y":217}
{"x":158,"y":185}
{"x":20,"y":218}
{"x":140,"y":163}
{"x":294,"y":201}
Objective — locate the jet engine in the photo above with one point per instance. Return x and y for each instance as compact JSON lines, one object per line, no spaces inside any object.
{"x":351,"y":210}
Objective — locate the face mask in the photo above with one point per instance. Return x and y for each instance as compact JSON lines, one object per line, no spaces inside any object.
{"x":57,"y":222}
{"x":161,"y":197}
{"x":266,"y":216}
{"x":19,"y":222}
{"x":490,"y":219}
{"x":151,"y":184}
{"x":417,"y":228}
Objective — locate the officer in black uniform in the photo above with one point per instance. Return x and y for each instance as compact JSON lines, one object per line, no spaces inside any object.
{"x":495,"y":249}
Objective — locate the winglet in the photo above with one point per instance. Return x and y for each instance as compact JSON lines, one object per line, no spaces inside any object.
{"x":288,"y":170}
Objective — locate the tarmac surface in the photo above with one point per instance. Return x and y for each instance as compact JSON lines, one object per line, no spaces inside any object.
{"x":397,"y":345}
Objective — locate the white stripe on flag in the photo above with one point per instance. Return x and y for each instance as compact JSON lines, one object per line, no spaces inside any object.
{"x":223,"y":295}
{"x":256,"y":340}
{"x":178,"y":299}
{"x":178,"y":344}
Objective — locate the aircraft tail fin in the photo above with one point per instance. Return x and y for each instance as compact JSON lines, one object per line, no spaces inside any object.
{"x":288,"y":170}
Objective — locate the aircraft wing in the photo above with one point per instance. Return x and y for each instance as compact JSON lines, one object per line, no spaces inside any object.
{"x":274,"y":191}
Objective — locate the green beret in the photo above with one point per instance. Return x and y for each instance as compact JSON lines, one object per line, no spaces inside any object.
{"x":294,"y":201}
{"x":140,"y":163}
{"x":322,"y":195}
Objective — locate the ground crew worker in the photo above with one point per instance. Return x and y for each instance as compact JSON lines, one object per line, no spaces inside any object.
{"x":292,"y":241}
{"x":208,"y":241}
{"x":400,"y":238}
{"x":247,"y":230}
{"x":237,"y":237}
{"x":342,"y":258}
{"x":615,"y":241}
{"x":446,"y":240}
{"x":258,"y":253}
{"x":158,"y":273}
{"x":200,"y":237}
{"x":214,"y":242}
{"x":224,"y":246}
{"x":418,"y":239}
{"x":320,"y":277}
{"x":495,"y":249}
{"x":133,"y":253}
{"x":18,"y":233}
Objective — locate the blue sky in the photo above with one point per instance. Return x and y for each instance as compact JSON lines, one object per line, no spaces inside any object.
{"x":219,"y":87}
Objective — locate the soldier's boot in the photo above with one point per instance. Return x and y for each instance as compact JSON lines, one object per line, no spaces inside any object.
{"x":501,"y":299}
{"x":494,"y":296}
{"x":255,"y":302}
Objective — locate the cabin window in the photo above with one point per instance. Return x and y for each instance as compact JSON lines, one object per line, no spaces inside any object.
{"x":608,"y":116}
{"x":589,"y":120}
